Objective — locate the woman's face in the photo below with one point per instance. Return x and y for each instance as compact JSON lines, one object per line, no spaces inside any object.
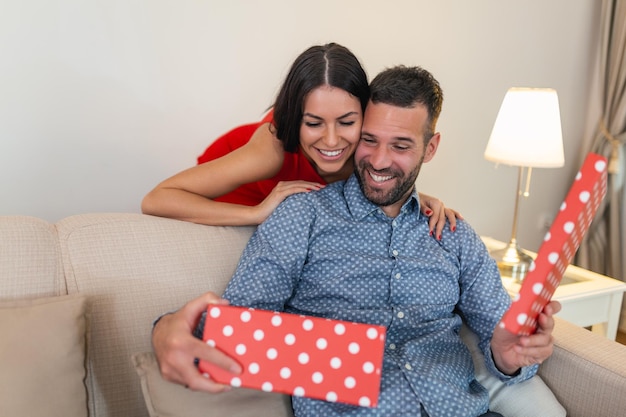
{"x":330,"y":131}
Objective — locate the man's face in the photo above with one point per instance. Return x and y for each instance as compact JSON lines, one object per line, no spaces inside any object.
{"x":391,"y":152}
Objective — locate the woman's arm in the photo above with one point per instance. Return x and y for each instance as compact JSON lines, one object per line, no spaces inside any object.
{"x":189,"y":194}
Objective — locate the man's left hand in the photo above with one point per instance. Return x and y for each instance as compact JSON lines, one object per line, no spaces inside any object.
{"x":512,"y":352}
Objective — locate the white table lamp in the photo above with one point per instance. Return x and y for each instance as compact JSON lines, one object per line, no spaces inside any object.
{"x":527,"y":133}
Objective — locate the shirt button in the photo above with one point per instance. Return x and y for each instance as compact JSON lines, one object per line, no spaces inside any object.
{"x":408,"y":366}
{"x":398,"y":275}
{"x":392,"y":346}
{"x":400,"y":314}
{"x":394,"y":223}
{"x":395,"y":252}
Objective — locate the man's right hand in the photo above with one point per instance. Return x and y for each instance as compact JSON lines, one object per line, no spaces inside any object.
{"x":176,"y":348}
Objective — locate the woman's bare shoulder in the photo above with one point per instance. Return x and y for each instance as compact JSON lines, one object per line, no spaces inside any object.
{"x":264,"y":145}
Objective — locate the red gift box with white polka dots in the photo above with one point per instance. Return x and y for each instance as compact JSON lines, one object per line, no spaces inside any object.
{"x":313,"y":357}
{"x":559,"y":246}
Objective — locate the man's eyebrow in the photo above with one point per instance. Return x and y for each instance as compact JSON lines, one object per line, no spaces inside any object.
{"x":407,"y":139}
{"x":404,"y":139}
{"x":350,"y":113}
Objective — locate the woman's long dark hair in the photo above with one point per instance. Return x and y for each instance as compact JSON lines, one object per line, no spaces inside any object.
{"x":330,"y":64}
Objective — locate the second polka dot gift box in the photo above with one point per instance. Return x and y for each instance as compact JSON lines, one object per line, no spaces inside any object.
{"x":559,"y":246}
{"x":306,"y":356}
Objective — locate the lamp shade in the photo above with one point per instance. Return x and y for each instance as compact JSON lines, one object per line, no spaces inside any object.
{"x":527,"y":131}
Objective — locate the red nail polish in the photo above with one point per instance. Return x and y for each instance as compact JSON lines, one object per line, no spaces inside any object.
{"x":453,"y":228}
{"x":428,"y":212}
{"x":438,"y":237}
{"x":430,"y":233}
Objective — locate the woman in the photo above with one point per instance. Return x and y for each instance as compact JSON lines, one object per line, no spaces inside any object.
{"x":307,"y":141}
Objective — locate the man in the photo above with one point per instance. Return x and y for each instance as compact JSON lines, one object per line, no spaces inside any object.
{"x":358,"y":250}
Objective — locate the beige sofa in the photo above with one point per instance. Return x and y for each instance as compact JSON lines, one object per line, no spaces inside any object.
{"x":123,"y":270}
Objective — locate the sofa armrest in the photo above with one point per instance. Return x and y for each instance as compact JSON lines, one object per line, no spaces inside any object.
{"x":586,"y":372}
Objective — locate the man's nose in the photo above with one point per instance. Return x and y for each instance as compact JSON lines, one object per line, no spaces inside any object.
{"x":380,"y":158}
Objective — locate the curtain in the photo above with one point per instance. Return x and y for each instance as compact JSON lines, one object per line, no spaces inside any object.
{"x":604,"y":248}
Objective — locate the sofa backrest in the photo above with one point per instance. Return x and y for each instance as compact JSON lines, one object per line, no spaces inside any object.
{"x":134,"y":268}
{"x":30,"y":261}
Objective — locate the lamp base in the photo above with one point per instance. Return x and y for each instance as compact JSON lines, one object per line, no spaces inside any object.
{"x":512,"y":261}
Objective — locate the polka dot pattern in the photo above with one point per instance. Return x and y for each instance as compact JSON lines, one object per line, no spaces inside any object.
{"x":559,"y":246}
{"x":333,"y":254}
{"x":304,"y":356}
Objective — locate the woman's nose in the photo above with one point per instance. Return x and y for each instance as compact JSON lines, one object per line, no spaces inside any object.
{"x":331,"y":138}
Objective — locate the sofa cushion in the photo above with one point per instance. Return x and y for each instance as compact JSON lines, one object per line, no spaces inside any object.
{"x":166,"y":399}
{"x":42,"y":357}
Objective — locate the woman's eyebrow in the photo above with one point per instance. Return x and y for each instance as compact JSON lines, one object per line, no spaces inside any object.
{"x":351,"y":113}
{"x":313,"y":116}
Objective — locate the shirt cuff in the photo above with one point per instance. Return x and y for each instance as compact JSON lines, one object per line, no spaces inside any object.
{"x":154,"y":323}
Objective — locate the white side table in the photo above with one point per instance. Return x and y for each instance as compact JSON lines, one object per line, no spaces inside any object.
{"x":588,"y":298}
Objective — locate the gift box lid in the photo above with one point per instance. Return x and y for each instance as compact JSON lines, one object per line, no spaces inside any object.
{"x":559,"y":246}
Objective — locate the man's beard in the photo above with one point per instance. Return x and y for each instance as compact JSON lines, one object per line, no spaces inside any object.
{"x":404,"y":184}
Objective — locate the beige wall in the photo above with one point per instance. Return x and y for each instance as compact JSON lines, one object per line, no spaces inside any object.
{"x":100,"y":100}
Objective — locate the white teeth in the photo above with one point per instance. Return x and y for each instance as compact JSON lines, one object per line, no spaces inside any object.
{"x":380,"y":178}
{"x":331,"y":153}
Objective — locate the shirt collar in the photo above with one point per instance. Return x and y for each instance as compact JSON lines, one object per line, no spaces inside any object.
{"x":361,"y":207}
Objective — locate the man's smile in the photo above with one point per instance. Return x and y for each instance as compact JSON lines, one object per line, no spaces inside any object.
{"x":379,"y":178}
